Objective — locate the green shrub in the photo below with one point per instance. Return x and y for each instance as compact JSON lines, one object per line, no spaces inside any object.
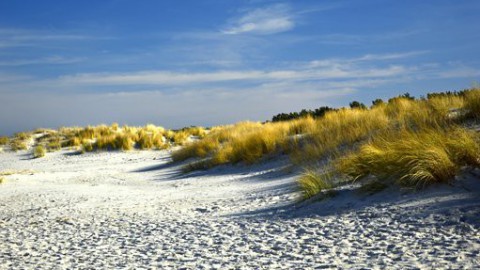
{"x":357,"y":105}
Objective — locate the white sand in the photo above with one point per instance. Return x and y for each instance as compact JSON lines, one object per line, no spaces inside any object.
{"x":132,"y":210}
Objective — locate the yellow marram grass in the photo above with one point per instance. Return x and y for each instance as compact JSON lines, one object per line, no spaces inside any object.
{"x":338,"y":130}
{"x":472,"y":103}
{"x":4,"y":140}
{"x":251,"y":146}
{"x":413,"y":158}
{"x":445,"y":105}
{"x":311,"y":182}
{"x":39,"y":151}
{"x":243,"y":142}
{"x":414,"y":142}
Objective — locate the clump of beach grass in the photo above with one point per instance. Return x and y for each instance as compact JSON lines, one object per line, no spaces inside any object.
{"x":243,"y":142}
{"x":17,"y":145}
{"x":39,"y":151}
{"x":87,"y":147}
{"x":472,"y":103}
{"x":312,"y":182}
{"x":413,"y":158}
{"x":145,"y":140}
{"x":180,"y":138}
{"x":4,"y":140}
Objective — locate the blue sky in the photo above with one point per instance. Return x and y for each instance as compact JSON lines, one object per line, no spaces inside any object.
{"x":180,"y":63}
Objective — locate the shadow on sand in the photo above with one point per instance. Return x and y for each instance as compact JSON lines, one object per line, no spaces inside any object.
{"x":461,"y":201}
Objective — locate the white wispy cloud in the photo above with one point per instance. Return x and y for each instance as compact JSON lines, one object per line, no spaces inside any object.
{"x":262,"y":21}
{"x":461,"y":72}
{"x":347,"y":62}
{"x":53,"y":60}
{"x":179,"y":78}
{"x":12,"y":37}
{"x":237,"y":94}
{"x":353,"y":39}
{"x":390,"y":56}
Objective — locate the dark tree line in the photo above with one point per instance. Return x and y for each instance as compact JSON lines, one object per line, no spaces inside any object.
{"x":317,"y":113}
{"x":320,"y":112}
{"x":460,"y":93}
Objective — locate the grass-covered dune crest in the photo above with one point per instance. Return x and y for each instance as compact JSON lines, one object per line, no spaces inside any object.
{"x":407,"y":141}
{"x":100,"y":138}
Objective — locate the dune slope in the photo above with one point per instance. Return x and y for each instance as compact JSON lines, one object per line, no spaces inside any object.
{"x":132,"y":210}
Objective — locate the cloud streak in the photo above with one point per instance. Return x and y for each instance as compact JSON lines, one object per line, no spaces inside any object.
{"x":53,"y":60}
{"x":262,"y":21}
{"x":177,"y":99}
{"x":12,"y":38}
{"x":166,"y":78}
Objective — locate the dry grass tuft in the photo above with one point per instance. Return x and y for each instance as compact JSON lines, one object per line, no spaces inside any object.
{"x":39,"y":151}
{"x":17,"y":145}
{"x":244,"y":142}
{"x":312,"y":182}
{"x":87,"y":147}
{"x":180,"y":138}
{"x":123,"y":142}
{"x":145,"y":140}
{"x":54,"y":145}
{"x":472,"y":103}
{"x":4,"y":140}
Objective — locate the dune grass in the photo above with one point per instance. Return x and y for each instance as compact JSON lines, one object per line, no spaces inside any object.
{"x":20,"y":141}
{"x":246,"y":142}
{"x":39,"y":151}
{"x":413,"y":158}
{"x":4,"y":140}
{"x":421,"y":143}
{"x":472,"y":103}
{"x":312,"y":182}
{"x":106,"y":138}
{"x":403,"y":141}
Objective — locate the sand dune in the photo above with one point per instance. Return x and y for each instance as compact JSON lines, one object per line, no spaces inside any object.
{"x":134,"y":210}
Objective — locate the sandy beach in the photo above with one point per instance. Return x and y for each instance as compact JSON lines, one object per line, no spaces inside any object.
{"x":134,"y":210}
